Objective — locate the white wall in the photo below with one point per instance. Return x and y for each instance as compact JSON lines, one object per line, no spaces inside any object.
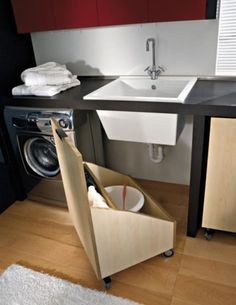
{"x":184,"y":48}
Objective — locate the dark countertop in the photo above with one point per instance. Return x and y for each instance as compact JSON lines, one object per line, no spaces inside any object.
{"x":208,"y":97}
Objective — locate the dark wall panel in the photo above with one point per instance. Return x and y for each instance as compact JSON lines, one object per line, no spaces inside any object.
{"x":16,"y":51}
{"x":16,"y":54}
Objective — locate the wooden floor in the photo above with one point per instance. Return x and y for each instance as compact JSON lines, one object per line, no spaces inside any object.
{"x":201,"y":272}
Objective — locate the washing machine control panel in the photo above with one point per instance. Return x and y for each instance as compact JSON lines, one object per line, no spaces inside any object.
{"x":41,"y":120}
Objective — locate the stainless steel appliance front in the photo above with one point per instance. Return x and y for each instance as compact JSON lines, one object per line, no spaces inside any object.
{"x":31,"y":136}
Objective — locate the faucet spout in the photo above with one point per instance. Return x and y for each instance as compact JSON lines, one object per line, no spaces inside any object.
{"x":152,"y":41}
{"x":152,"y":71}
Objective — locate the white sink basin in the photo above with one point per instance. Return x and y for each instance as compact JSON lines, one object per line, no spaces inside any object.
{"x":142,"y":88}
{"x":144,"y":127}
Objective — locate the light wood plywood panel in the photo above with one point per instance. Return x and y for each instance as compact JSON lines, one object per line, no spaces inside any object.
{"x":72,"y":171}
{"x":220,"y":192}
{"x":124,"y":238}
{"x":113,"y":239}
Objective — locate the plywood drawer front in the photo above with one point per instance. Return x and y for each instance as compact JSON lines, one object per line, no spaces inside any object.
{"x":220,"y":191}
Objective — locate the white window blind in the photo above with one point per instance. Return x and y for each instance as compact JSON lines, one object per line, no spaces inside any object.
{"x":226,"y":47}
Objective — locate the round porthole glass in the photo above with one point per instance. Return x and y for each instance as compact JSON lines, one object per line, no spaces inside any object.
{"x":41,"y":157}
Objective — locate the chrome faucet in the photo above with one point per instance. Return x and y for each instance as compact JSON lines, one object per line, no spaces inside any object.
{"x":153,"y":71}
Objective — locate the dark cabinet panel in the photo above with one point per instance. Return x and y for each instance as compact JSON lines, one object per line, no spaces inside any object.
{"x":16,"y":54}
{"x":16,"y":51}
{"x":75,"y":13}
{"x":10,"y":183}
{"x":112,"y":12}
{"x":7,"y":194}
{"x":33,"y":15}
{"x":169,"y":10}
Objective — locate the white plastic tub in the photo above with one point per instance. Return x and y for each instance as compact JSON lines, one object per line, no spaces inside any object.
{"x":134,"y":199}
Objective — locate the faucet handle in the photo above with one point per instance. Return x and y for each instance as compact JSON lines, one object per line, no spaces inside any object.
{"x":162,"y":69}
{"x":148,"y":70}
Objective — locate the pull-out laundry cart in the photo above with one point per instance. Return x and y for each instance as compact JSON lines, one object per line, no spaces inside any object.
{"x":113,"y":239}
{"x":219,"y":211}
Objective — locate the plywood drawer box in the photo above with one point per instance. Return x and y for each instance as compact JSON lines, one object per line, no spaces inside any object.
{"x":113,"y":239}
{"x":220,"y":191}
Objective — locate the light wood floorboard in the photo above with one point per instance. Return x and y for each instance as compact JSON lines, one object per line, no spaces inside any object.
{"x":43,"y":238}
{"x":203,"y":292}
{"x":209,"y":270}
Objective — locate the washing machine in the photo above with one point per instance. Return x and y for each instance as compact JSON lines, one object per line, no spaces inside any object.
{"x":33,"y":144}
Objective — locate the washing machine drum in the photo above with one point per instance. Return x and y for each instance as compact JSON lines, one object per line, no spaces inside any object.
{"x":41,"y":157}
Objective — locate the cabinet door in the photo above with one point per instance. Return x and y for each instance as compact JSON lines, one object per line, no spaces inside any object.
{"x":169,"y":10}
{"x":220,"y":192}
{"x":33,"y":15}
{"x":112,"y":12}
{"x":75,"y":13}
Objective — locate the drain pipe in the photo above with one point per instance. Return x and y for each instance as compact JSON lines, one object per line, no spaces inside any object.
{"x":156,"y":153}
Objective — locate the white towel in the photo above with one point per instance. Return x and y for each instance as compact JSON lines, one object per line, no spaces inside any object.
{"x":95,"y":199}
{"x":43,"y":90}
{"x":50,"y":73}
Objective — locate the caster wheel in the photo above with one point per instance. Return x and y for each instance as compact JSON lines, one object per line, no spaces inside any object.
{"x":208,"y":234}
{"x":169,"y":253}
{"x":107,"y":282}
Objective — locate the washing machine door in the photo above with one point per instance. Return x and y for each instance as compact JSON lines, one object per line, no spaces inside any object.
{"x":40,"y":155}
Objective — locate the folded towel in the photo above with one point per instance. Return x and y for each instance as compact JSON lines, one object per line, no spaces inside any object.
{"x":43,"y":90}
{"x":95,"y":199}
{"x":50,"y":73}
